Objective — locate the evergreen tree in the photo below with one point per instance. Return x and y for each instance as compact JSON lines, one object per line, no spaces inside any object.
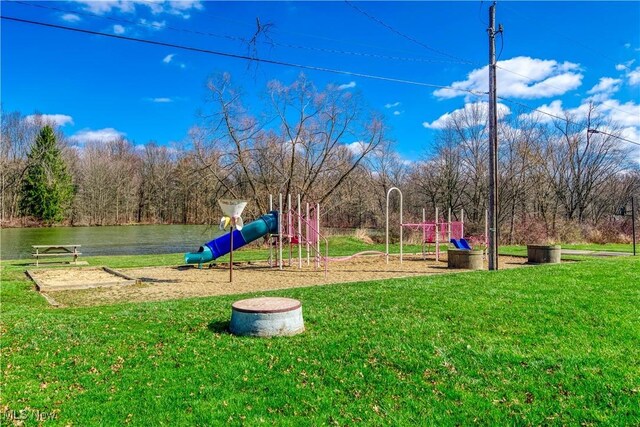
{"x":47,"y":190}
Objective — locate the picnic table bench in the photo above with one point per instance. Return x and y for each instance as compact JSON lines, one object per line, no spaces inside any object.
{"x":56,"y":251}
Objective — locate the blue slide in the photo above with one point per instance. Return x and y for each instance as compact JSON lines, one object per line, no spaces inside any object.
{"x":461,"y":244}
{"x":222,"y":245}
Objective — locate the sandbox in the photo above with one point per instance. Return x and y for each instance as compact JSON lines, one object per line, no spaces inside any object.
{"x":60,"y":279}
{"x":165,"y":283}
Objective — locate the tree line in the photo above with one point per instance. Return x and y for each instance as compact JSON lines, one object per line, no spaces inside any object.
{"x":560,"y":178}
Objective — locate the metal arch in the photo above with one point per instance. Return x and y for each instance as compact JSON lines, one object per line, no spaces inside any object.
{"x":387,"y":221}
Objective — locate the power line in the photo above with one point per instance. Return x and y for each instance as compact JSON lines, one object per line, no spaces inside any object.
{"x":368,"y":54}
{"x":127,"y":21}
{"x":315,"y":36}
{"x":237,"y":38}
{"x":612,"y":135}
{"x":460,"y":60}
{"x":556,"y":87}
{"x":310,"y":48}
{"x":465,"y":61}
{"x":288,"y":64}
{"x":565,"y":119}
{"x":238,"y":56}
{"x":586,"y":47}
{"x":401,"y":34}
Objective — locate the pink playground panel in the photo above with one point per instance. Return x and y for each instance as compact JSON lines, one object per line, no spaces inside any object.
{"x":429,"y":230}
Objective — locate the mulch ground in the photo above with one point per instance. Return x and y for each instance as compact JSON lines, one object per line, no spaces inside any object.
{"x":166,"y":283}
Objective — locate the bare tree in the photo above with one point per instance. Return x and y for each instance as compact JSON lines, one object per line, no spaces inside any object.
{"x":582,"y":160}
{"x":307,"y":141}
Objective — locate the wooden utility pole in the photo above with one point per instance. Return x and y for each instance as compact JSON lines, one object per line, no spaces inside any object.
{"x":493,"y":144}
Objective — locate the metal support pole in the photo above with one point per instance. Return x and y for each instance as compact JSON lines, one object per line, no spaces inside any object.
{"x":387,"y":223}
{"x":271,"y":263}
{"x":424,"y":233}
{"x":437,"y":237}
{"x":280,"y":218}
{"x":299,"y":233}
{"x":290,"y":227}
{"x":462,"y":222}
{"x":231,"y":251}
{"x":307,"y":234}
{"x":449,"y":226}
{"x":633,"y":224}
{"x":318,"y":235}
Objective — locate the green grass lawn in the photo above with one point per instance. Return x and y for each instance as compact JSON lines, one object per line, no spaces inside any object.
{"x":609,"y":247}
{"x":520,"y":250}
{"x":550,"y":345}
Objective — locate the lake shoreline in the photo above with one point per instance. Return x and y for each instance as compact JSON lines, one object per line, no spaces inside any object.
{"x":108,"y":240}
{"x":30,"y":223}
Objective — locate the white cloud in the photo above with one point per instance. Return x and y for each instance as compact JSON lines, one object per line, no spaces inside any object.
{"x":468,"y":109}
{"x":86,"y":135}
{"x":106,"y":6}
{"x":520,"y":77}
{"x":606,"y":87}
{"x":56,"y":119}
{"x":70,"y":17}
{"x":118,"y":29}
{"x":392,"y":105}
{"x":397,"y":113}
{"x":408,"y":162}
{"x":625,"y":66}
{"x":546,"y":112}
{"x":356,"y":147}
{"x":627,"y":114}
{"x":155,"y":25}
{"x":181,"y":8}
{"x":554,"y":111}
{"x":634,"y":77}
{"x":169,"y":59}
{"x":349,"y":85}
{"x":161,"y":100}
{"x":627,"y":45}
{"x":631,"y":133}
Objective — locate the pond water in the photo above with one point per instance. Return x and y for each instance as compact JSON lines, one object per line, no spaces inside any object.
{"x":15,"y":243}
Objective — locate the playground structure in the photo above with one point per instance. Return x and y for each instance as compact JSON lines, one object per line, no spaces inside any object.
{"x":281,"y":227}
{"x":437,"y":231}
{"x":296,"y":228}
{"x":289,"y":226}
{"x":433,"y":232}
{"x":222,"y":245}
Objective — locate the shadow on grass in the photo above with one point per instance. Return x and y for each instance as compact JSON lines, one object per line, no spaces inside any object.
{"x":219,"y":327}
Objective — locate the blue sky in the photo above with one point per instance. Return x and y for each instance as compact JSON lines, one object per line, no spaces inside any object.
{"x":554,"y":56}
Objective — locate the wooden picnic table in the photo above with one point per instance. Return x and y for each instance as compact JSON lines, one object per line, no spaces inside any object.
{"x":56,"y":251}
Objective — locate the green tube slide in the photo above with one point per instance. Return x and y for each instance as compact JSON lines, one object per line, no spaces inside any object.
{"x":222,"y":245}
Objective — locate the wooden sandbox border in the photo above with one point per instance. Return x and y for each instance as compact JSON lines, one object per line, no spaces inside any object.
{"x":41,"y":288}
